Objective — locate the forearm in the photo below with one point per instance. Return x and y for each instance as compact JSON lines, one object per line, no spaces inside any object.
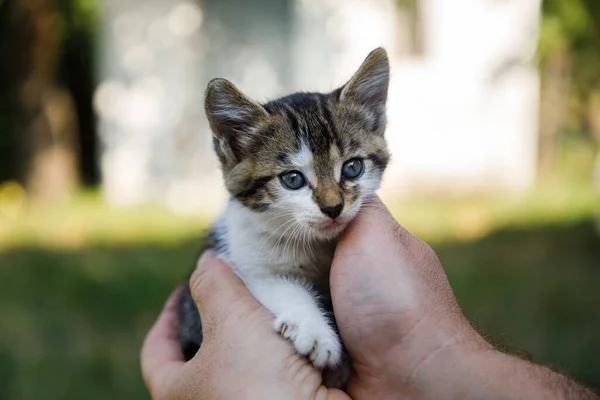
{"x":493,"y":375}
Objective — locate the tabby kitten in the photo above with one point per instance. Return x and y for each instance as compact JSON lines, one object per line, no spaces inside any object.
{"x":298,"y":170}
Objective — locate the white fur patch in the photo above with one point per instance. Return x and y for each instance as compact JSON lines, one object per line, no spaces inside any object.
{"x":299,"y":319}
{"x":267,"y":250}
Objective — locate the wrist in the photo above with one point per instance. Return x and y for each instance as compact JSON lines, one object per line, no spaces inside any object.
{"x":451,"y":371}
{"x":463,"y":372}
{"x":430,"y":360}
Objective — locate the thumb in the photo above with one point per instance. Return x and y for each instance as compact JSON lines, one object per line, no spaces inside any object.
{"x":374,"y":224}
{"x":218,"y":291}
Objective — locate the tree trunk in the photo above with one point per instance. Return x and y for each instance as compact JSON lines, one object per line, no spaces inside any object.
{"x":555,"y":95}
{"x":44,"y":116}
{"x":594,"y":125}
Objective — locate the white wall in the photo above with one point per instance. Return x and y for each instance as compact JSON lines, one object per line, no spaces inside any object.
{"x":461,"y":116}
{"x":466,"y":115}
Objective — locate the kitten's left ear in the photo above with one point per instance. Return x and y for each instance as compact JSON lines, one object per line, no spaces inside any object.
{"x":369,"y":85}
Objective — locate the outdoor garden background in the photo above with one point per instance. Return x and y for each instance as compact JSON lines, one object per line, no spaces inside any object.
{"x":107,"y":178}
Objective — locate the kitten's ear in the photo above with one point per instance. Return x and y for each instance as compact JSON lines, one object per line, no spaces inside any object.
{"x":233,"y":117}
{"x":369,"y":85}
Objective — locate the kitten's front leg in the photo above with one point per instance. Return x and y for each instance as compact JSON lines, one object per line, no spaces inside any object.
{"x":299,"y":319}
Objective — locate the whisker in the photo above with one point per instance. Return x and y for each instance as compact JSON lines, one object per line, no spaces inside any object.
{"x":276,"y":245}
{"x":290,"y":241}
{"x":275,"y":231}
{"x":279,"y":215}
{"x":293,"y":247}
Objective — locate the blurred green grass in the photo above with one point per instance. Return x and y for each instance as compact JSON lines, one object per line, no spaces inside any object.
{"x":81,"y":283}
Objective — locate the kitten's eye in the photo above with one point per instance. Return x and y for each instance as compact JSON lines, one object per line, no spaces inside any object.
{"x":293,"y":180}
{"x":353,"y":169}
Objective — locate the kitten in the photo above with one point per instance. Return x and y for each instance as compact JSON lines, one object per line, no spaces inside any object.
{"x":298,"y":170}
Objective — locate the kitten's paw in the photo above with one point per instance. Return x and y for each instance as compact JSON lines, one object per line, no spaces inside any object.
{"x":317,"y":341}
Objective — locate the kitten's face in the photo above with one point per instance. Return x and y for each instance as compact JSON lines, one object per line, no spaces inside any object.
{"x":309,"y":160}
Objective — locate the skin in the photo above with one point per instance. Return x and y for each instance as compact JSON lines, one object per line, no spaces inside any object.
{"x":396,"y":314}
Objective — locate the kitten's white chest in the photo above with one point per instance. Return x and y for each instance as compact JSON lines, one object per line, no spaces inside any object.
{"x":255,"y":249}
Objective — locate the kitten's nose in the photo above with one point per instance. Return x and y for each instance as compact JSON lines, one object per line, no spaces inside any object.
{"x":333,"y":211}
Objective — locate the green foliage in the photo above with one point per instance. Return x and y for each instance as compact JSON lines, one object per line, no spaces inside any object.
{"x":563,"y":23}
{"x":573,"y":26}
{"x":569,"y":55}
{"x":80,"y":25}
{"x":80,"y":16}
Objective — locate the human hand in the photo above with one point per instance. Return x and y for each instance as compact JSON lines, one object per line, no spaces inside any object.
{"x":395,"y":310}
{"x":403,"y":328}
{"x":240,"y":357}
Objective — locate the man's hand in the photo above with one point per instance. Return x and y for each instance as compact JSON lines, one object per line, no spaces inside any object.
{"x":240,"y":357}
{"x":394,"y":306}
{"x":403,"y":328}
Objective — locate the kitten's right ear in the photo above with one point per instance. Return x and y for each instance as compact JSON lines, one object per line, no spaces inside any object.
{"x":369,"y":85}
{"x":233,"y":118}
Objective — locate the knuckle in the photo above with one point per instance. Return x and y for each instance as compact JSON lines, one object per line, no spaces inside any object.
{"x":425,"y":252}
{"x":202,"y":284}
{"x":210,"y":332}
{"x":197,"y":281}
{"x":397,"y":231}
{"x":417,"y":248}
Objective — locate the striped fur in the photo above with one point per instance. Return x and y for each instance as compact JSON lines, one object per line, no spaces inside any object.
{"x":256,"y":142}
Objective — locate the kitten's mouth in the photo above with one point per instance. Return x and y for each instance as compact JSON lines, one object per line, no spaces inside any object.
{"x":330,"y":228}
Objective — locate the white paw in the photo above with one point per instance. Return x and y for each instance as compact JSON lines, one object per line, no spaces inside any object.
{"x":315,"y":340}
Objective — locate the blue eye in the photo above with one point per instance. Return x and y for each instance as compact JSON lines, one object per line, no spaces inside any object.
{"x":293,"y":180}
{"x":353,"y":169}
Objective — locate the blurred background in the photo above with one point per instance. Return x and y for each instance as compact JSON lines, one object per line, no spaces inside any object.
{"x":107,"y":177}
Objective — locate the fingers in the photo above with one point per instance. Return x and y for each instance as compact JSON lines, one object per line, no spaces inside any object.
{"x":161,"y":356}
{"x":216,"y":289}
